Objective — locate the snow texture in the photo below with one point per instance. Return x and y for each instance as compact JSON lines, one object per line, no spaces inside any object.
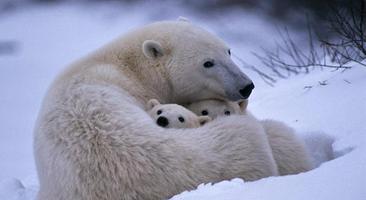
{"x":329,"y":116}
{"x":336,"y":112}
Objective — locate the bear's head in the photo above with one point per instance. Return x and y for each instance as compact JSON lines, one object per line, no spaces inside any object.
{"x":197,"y":63}
{"x":215,"y":108}
{"x":174,"y":115}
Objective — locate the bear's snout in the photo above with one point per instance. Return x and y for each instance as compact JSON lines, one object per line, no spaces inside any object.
{"x":246,"y":91}
{"x":162,"y":121}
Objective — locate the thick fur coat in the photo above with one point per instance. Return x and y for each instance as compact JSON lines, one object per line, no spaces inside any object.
{"x":95,"y":141}
{"x":174,"y":115}
{"x":289,"y":151}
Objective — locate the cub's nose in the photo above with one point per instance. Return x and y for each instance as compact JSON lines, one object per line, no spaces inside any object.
{"x":247,"y":90}
{"x":162,"y":121}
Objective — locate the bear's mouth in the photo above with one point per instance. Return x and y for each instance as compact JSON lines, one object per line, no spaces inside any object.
{"x":234,"y":96}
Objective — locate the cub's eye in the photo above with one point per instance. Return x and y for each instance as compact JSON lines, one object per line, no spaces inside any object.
{"x":159,"y":112}
{"x":181,"y":119}
{"x":208,"y":64}
{"x":227,"y":112}
{"x":229,"y":52}
{"x":204,"y":112}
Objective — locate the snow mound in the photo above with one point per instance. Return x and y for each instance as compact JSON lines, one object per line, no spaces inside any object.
{"x":218,"y":191}
{"x":319,"y":146}
{"x":13,"y":189}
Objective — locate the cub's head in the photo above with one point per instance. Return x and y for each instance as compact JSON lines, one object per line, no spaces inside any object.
{"x":198,"y":64}
{"x":174,"y":115}
{"x":215,"y":108}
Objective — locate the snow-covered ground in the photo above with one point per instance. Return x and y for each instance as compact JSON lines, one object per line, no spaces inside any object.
{"x":337,"y":109}
{"x":48,"y":37}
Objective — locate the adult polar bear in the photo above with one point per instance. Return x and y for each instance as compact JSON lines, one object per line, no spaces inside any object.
{"x":94,"y":140}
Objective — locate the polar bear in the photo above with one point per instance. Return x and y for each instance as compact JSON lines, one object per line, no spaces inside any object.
{"x":288,"y":150}
{"x":174,"y":115}
{"x":94,"y":139}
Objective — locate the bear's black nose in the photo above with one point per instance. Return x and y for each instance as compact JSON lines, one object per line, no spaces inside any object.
{"x":162,"y":121}
{"x":246,"y":91}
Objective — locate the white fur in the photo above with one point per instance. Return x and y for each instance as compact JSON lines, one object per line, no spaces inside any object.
{"x":172,"y":113}
{"x":95,"y":141}
{"x":288,"y":150}
{"x":216,"y":108}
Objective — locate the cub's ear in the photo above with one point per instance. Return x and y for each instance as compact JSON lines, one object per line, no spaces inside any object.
{"x":152,"y":49}
{"x":243,"y":104}
{"x":152,"y":103}
{"x":204,"y":119}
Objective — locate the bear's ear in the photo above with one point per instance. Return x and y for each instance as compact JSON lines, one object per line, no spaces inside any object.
{"x":152,"y":49}
{"x":243,"y":104}
{"x":204,"y":119}
{"x":152,"y":103}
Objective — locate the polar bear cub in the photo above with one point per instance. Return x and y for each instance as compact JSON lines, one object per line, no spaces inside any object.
{"x":174,"y":115}
{"x":216,"y":108}
{"x":288,"y":150}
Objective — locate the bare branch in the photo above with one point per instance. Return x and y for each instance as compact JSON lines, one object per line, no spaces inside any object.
{"x":265,"y":77}
{"x":347,"y":46}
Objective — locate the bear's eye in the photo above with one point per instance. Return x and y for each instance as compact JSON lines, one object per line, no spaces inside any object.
{"x":181,"y":119}
{"x":208,"y":64}
{"x":159,"y":112}
{"x":229,"y":52}
{"x":227,"y":112}
{"x":204,"y":112}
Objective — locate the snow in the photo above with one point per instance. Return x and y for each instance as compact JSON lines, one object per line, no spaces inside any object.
{"x":14,"y":189}
{"x":337,"y":109}
{"x":50,"y":36}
